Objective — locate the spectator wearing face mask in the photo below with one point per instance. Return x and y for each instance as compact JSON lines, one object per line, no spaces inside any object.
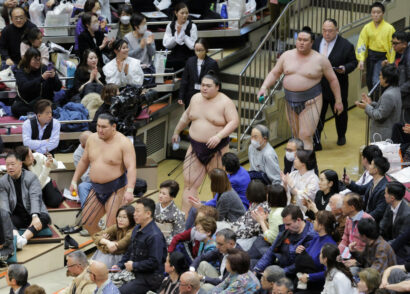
{"x":292,"y":146}
{"x":92,"y":38}
{"x":141,"y":43}
{"x":125,"y":21}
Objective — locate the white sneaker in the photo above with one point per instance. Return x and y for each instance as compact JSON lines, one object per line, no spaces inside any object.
{"x":21,"y":242}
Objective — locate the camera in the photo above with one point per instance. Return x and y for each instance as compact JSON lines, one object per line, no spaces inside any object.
{"x":128,"y":105}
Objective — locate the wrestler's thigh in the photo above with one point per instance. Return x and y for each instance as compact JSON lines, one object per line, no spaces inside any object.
{"x":216,"y":161}
{"x":293,"y":119}
{"x":194,"y":170}
{"x":112,"y":205}
{"x":93,"y":209}
{"x":309,"y":117}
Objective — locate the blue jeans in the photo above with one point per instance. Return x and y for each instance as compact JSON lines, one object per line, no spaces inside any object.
{"x":83,"y":190}
{"x":376,"y":72}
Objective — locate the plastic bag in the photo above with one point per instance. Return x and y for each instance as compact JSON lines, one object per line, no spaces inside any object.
{"x":7,"y":74}
{"x":36,"y":13}
{"x":391,"y":151}
{"x":54,"y":20}
{"x":159,"y":64}
{"x":250,"y":8}
{"x":64,"y":8}
{"x":236,"y":9}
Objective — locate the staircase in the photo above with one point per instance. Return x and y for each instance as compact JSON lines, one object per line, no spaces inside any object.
{"x":242,"y":80}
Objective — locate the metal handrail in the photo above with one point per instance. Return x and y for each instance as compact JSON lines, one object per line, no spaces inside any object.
{"x":295,"y":15}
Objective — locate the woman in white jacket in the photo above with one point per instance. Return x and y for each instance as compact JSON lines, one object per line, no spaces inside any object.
{"x":339,"y":279}
{"x":41,"y":165}
{"x":123,"y":70}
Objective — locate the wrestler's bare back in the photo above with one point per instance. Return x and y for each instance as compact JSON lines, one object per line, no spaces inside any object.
{"x":106,"y":157}
{"x":302,"y":72}
{"x":207,"y":116}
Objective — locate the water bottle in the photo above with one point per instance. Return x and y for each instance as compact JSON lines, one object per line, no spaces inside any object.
{"x":175,"y":146}
{"x":224,"y":14}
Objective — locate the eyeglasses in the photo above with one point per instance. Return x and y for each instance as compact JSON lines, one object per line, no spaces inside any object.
{"x":68,"y":266}
{"x":18,"y":17}
{"x":90,"y":272}
{"x":396,"y":43}
{"x":185,"y":285}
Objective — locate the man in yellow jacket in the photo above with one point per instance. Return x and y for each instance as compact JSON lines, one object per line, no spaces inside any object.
{"x":375,"y":45}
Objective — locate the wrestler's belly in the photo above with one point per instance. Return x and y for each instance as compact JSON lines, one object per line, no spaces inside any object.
{"x":297,"y":82}
{"x":202,"y":130}
{"x":101,"y":172}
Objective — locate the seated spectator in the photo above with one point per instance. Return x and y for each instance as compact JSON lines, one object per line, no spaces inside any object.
{"x":293,"y":145}
{"x":328,"y":186}
{"x":199,"y":238}
{"x":123,"y":70}
{"x":92,"y":37}
{"x":175,"y":266}
{"x":294,"y":232}
{"x":85,"y":186}
{"x":395,"y":220}
{"x":107,"y":93}
{"x":387,"y":110}
{"x":166,"y":211}
{"x":180,"y":36}
{"x":396,"y":278}
{"x":99,"y":275}
{"x":42,"y":132}
{"x":302,"y":183}
{"x":401,"y":135}
{"x":195,"y":68}
{"x":228,"y":203}
{"x":204,"y":210}
{"x":246,"y":228}
{"x":7,"y":5}
{"x":147,"y":253}
{"x":335,"y":206}
{"x":77,"y":265}
{"x":310,"y":272}
{"x":41,"y":165}
{"x":20,"y":196}
{"x":369,"y":152}
{"x":34,"y":289}
{"x":283,"y":286}
{"x":353,"y":209}
{"x":374,"y":201}
{"x":240,"y":279}
{"x":237,"y":175}
{"x":16,"y":278}
{"x":12,"y":35}
{"x":263,"y":161}
{"x":204,"y":264}
{"x":6,"y":237}
{"x":377,"y":254}
{"x":141,"y":43}
{"x":124,"y":27}
{"x":34,"y":38}
{"x":190,"y":284}
{"x":369,"y":281}
{"x":271,"y":275}
{"x":34,"y":82}
{"x":269,"y":223}
{"x":113,"y":242}
{"x":88,"y":77}
{"x":92,"y":6}
{"x":338,"y":277}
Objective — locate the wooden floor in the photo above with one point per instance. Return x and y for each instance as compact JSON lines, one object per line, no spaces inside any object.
{"x":332,"y":156}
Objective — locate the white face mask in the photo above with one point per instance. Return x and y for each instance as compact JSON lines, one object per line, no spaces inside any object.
{"x":98,"y":12}
{"x":125,"y":19}
{"x":198,"y":235}
{"x":95,"y":27}
{"x":290,"y":155}
{"x":255,"y":144}
{"x":142,"y":29}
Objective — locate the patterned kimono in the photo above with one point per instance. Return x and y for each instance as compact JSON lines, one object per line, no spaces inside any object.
{"x":170,"y":215}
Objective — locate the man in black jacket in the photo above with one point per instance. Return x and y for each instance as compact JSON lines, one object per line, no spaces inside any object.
{"x":395,"y":220}
{"x":16,"y":278}
{"x":210,"y":275}
{"x":341,"y":55}
{"x":11,"y":36}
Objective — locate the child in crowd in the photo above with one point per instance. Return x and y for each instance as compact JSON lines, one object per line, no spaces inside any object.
{"x":166,"y":212}
{"x":113,"y":242}
{"x":196,"y":241}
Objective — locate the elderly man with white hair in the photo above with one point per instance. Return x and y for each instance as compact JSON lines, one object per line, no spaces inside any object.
{"x":263,"y":160}
{"x":335,"y":206}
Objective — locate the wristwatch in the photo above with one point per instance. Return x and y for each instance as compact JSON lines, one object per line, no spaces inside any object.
{"x":34,"y":215}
